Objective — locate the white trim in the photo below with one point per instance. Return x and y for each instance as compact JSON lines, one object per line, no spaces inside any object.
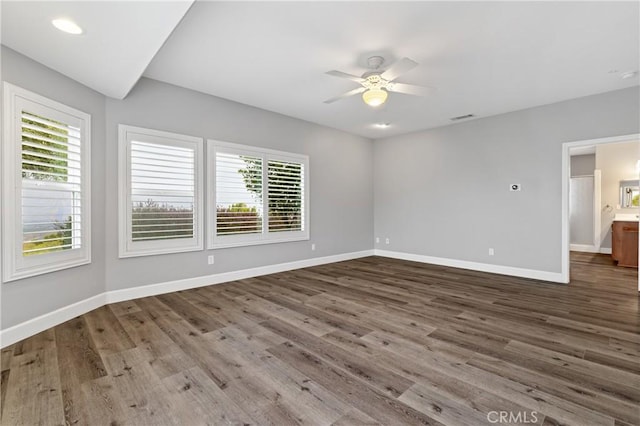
{"x":36,"y":325}
{"x":126,"y":246}
{"x":605,"y":250}
{"x":566,"y":171}
{"x":223,"y":277}
{"x":597,"y":211}
{"x":15,"y":266}
{"x":33,"y":326}
{"x":586,"y":248}
{"x":476,"y":266}
{"x":265,"y":237}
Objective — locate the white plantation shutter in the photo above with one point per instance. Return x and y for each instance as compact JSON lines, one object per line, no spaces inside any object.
{"x":286,"y":195}
{"x":260,"y":195}
{"x":163,"y":191}
{"x":51,"y":185}
{"x":160,"y":192}
{"x":46,"y":185}
{"x":238,"y":210}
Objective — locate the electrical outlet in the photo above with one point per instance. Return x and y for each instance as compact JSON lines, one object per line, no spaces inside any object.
{"x":377,"y":240}
{"x":491,"y":252}
{"x":313,"y":246}
{"x":210,"y":259}
{"x":386,"y":240}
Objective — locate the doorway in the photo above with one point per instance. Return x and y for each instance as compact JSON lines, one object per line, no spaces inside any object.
{"x":604,"y":209}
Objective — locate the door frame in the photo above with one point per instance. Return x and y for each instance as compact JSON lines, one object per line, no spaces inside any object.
{"x":566,"y":176}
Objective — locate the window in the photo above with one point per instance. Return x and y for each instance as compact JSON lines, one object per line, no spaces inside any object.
{"x":46,"y":191}
{"x":257,"y":196}
{"x":160,"y":192}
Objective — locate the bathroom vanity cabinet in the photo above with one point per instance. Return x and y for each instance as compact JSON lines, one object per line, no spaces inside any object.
{"x":624,"y":243}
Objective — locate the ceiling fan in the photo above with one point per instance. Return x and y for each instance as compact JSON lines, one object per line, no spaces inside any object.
{"x":376,"y":83}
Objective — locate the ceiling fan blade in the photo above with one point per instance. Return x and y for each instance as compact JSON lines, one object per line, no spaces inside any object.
{"x":410,"y":89}
{"x":402,"y":66}
{"x":345,"y":75}
{"x":346,"y":95}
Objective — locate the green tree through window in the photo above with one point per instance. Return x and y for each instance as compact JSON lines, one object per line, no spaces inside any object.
{"x":44,"y":148}
{"x":284,"y":191}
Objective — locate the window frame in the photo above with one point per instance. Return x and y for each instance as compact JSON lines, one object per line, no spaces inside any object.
{"x":15,"y":265}
{"x":126,"y":246}
{"x":215,"y":241}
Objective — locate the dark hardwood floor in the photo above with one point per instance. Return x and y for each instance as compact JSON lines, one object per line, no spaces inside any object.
{"x":368,"y":341}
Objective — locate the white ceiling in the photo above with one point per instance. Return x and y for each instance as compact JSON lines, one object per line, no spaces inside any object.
{"x":120,"y":38}
{"x":484,"y":58}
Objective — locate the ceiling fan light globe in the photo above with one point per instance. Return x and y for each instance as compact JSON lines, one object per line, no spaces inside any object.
{"x":375,"y":97}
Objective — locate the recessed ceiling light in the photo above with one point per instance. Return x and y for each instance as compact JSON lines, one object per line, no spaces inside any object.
{"x":382,"y":125}
{"x":67,"y":26}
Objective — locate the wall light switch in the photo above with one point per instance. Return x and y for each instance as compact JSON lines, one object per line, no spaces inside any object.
{"x":313,"y":246}
{"x":210,"y":259}
{"x":377,"y":240}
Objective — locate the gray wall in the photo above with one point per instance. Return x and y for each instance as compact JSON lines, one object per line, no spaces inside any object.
{"x":341,"y":193}
{"x":442,"y":192}
{"x":28,"y":298}
{"x":583,"y":165}
{"x":445,"y":192}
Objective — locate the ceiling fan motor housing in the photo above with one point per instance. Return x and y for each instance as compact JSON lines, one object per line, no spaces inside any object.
{"x":375,"y":62}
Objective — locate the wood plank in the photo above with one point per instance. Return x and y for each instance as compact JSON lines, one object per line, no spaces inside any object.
{"x":163,"y":354}
{"x":355,"y":418}
{"x":189,"y":339}
{"x":78,"y":362}
{"x":4,"y":383}
{"x":136,"y":395}
{"x":123,"y":308}
{"x":107,"y":332}
{"x":202,"y":401}
{"x":576,"y":364}
{"x":551,"y":384}
{"x":5,"y":358}
{"x":190,"y":312}
{"x":270,"y":309}
{"x":525,"y":396}
{"x":363,"y":397}
{"x":320,"y":315}
{"x":440,"y":407}
{"x":33,"y":389}
{"x":296,"y":395}
{"x":39,"y":342}
{"x":379,"y":378}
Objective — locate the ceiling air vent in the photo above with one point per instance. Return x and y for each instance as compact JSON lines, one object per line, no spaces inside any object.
{"x":462,"y":117}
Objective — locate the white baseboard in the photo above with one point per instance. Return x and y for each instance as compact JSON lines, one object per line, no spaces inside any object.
{"x":34,"y":326}
{"x":170,"y":286}
{"x":589,"y":248}
{"x":476,"y":266}
{"x":586,"y":248}
{"x":14,"y":334}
